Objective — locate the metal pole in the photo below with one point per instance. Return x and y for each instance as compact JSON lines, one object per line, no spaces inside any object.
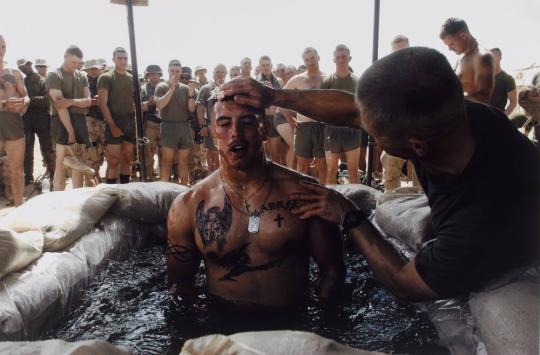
{"x":375,"y":55}
{"x":140,"y":163}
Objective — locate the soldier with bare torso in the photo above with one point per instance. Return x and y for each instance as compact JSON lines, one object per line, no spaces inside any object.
{"x":239,"y":220}
{"x":13,"y":103}
{"x":475,"y":68}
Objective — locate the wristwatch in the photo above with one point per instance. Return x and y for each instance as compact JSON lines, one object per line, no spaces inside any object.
{"x":352,"y":219}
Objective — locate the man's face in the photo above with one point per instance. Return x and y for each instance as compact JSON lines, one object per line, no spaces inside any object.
{"x":455,"y":43}
{"x":238,"y":133}
{"x":201,"y":74}
{"x":185,"y":78}
{"x":42,"y":70}
{"x":72,"y":61}
{"x":3,"y":48}
{"x":311,"y":60}
{"x":26,"y":69}
{"x":342,"y":59}
{"x":266,"y":67}
{"x":153,"y":77}
{"x":175,"y":71}
{"x":396,"y":46}
{"x":234,"y":72}
{"x":497,"y":57}
{"x":120,"y":60}
{"x":245,"y":67}
{"x":220,"y":72}
{"x":93,"y":72}
{"x":281,"y":72}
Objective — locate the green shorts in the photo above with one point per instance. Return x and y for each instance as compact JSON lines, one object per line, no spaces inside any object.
{"x":341,"y":139}
{"x":60,"y":135}
{"x":11,"y":126}
{"x":309,"y":140}
{"x":127,"y":124}
{"x":271,"y":131}
{"x":176,"y":135}
{"x":279,"y":118}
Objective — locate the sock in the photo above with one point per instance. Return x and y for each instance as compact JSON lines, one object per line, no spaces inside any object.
{"x":124,"y":179}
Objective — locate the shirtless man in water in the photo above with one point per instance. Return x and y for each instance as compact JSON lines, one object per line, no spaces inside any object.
{"x":239,"y":221}
{"x":13,"y":103}
{"x":476,"y":66}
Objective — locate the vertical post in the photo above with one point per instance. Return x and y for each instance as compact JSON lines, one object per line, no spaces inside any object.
{"x":375,"y":55}
{"x":140,"y":162}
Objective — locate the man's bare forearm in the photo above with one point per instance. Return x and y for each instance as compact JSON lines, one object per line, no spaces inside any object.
{"x":334,"y":106}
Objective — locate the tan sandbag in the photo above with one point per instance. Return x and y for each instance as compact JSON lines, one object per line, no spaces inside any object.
{"x":18,"y":250}
{"x":61,"y":347}
{"x":216,"y":344}
{"x":62,"y":216}
{"x":363,"y":196}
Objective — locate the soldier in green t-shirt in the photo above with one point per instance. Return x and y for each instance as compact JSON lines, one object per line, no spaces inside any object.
{"x":70,"y":96}
{"x":117,"y":103}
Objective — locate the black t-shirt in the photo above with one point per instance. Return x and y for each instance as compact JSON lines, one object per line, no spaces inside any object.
{"x":504,"y":83}
{"x":487,"y":220}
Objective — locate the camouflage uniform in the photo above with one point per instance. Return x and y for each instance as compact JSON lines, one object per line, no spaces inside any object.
{"x":95,"y":155}
{"x":151,"y":131}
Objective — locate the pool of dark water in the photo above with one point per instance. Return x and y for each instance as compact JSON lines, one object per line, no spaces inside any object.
{"x":128,"y":304}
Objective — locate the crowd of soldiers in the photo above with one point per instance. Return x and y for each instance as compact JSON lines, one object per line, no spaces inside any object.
{"x":83,"y":114}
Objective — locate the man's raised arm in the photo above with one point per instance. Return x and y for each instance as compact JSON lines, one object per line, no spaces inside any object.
{"x":331,"y":106}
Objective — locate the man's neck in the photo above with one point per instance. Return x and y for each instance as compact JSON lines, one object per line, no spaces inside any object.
{"x":342,"y":71}
{"x":498,"y":69}
{"x":67,"y":69}
{"x":246,"y":76}
{"x":471,"y":46}
{"x":314,"y":72}
{"x":267,"y":76}
{"x":120,"y":71}
{"x":245,"y":179}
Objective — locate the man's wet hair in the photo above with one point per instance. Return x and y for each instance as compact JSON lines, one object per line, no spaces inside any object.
{"x":118,"y":50}
{"x":452,"y":27}
{"x":399,"y":39}
{"x":411,"y":93}
{"x":74,"y":50}
{"x":341,"y":47}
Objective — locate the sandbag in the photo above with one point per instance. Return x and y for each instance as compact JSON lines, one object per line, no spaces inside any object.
{"x":18,"y":250}
{"x":61,"y":347}
{"x":507,"y":318}
{"x":405,"y":217}
{"x":216,"y":344}
{"x":363,"y":196}
{"x":62,"y":216}
{"x":147,"y":202}
{"x":274,"y":342}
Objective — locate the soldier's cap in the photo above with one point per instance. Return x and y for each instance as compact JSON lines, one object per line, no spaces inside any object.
{"x":91,"y":63}
{"x":200,"y":67}
{"x":23,"y":61}
{"x":175,"y":62}
{"x":40,"y":63}
{"x":153,"y":68}
{"x":186,"y":70}
{"x":102,"y":62}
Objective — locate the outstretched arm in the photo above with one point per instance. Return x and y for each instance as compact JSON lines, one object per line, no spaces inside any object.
{"x":331,"y":106}
{"x":183,"y":257}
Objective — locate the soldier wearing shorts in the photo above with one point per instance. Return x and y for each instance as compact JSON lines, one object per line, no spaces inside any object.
{"x":339,"y":140}
{"x":204,"y":114}
{"x":13,"y":102}
{"x":152,"y":120}
{"x":175,"y":101}
{"x":116,"y":100}
{"x":70,"y":96}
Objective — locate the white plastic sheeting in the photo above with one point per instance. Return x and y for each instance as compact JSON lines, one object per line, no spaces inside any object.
{"x":60,"y":347}
{"x":18,"y":250}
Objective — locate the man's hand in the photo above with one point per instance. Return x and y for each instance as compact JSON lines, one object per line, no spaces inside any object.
{"x":62,"y":103}
{"x":249,"y":92}
{"x":116,"y":131}
{"x":317,"y":200}
{"x":71,"y":137}
{"x":14,"y":105}
{"x":174,"y":80}
{"x":95,"y":100}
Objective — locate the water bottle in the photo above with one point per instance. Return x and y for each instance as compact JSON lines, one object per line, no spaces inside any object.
{"x":45,"y":185}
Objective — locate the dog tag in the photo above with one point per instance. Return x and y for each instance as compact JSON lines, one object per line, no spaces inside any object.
{"x":253,"y":225}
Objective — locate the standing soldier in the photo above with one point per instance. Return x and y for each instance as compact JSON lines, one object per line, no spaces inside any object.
{"x":175,"y":101}
{"x":152,"y":121}
{"x":94,"y":119}
{"x":41,"y":67}
{"x":117,"y":103}
{"x":36,"y":122}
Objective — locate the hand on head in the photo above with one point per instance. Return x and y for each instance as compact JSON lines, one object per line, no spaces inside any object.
{"x":249,"y":92}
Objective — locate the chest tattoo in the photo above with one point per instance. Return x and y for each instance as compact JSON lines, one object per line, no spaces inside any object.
{"x":214,"y":224}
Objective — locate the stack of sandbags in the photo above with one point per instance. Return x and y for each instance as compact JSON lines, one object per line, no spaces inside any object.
{"x":147,"y":202}
{"x":63,"y":216}
{"x":18,"y":250}
{"x":268,"y":343}
{"x":61,"y":347}
{"x":406,"y":217}
{"x":363,"y":196}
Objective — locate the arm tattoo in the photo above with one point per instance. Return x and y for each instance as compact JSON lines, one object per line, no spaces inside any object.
{"x":237,"y":262}
{"x":215,"y":223}
{"x":180,"y":253}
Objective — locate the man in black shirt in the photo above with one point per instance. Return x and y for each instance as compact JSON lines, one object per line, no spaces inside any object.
{"x":412,"y":103}
{"x":505,"y":87}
